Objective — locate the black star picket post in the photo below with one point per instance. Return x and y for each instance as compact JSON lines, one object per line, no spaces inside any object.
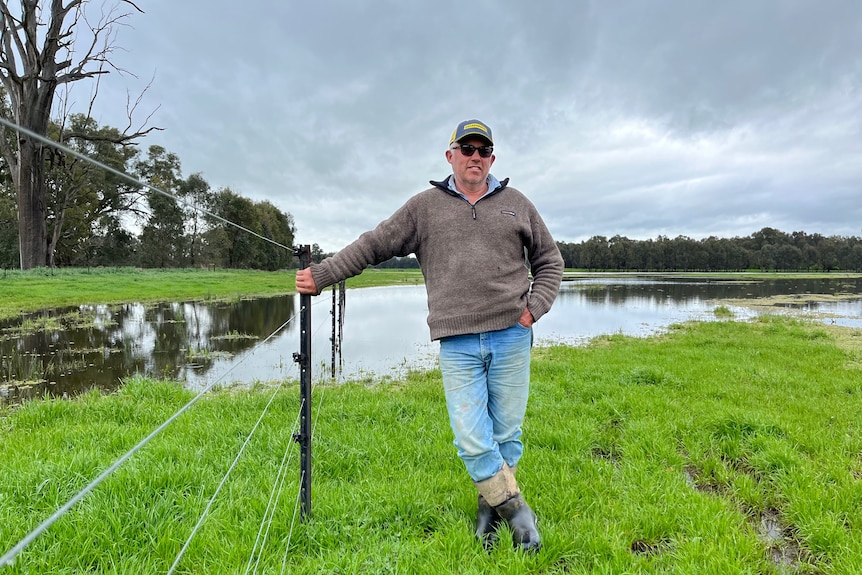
{"x":303,"y":358}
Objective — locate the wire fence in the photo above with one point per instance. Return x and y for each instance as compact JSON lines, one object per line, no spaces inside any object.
{"x":256,"y":553}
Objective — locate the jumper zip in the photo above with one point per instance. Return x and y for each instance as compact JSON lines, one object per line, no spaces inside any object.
{"x":445,"y":187}
{"x":473,"y":205}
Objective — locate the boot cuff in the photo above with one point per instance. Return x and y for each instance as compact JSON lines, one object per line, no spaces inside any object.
{"x":498,"y":488}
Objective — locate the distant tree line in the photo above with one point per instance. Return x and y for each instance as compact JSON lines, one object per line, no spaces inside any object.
{"x":95,"y":218}
{"x":766,"y":250}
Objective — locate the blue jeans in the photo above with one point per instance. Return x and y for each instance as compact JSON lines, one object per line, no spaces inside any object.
{"x":486,"y":377}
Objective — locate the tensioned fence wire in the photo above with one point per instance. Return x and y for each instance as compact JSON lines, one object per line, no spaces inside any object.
{"x":9,"y":557}
{"x":261,"y":539}
{"x":221,"y":484}
{"x":274,"y":497}
{"x":263,"y":533}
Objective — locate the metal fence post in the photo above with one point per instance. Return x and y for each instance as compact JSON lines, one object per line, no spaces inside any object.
{"x":333,"y":339}
{"x":303,"y":358}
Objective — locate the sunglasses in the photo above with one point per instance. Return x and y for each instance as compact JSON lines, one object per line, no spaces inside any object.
{"x":468,"y":149}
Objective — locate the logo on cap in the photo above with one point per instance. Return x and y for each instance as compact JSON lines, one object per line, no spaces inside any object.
{"x":476,"y":126}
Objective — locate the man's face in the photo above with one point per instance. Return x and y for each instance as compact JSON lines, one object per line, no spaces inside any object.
{"x":470,"y":171}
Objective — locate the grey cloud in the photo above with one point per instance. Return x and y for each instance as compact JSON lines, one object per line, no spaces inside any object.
{"x":631,"y":118}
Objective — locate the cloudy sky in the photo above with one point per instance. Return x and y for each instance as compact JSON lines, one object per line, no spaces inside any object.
{"x":622,"y":117}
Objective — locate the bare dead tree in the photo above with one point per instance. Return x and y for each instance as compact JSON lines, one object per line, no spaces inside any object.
{"x":50,"y":44}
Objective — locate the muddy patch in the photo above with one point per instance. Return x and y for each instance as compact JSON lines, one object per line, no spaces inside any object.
{"x":779,"y":540}
{"x":791,"y":301}
{"x":778,"y":536}
{"x":644,"y":547}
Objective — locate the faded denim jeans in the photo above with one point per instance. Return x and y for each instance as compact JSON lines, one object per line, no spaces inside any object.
{"x":486,"y":377}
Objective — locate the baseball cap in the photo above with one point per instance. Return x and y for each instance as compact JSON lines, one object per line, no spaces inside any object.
{"x":471,"y":128}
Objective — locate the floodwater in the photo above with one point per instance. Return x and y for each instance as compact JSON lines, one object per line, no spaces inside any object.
{"x":65,"y":351}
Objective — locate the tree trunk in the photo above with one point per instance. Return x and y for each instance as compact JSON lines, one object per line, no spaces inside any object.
{"x":32,"y":228}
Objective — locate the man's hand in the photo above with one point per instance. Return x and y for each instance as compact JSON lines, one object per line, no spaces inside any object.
{"x":305,"y":282}
{"x":526,"y":319}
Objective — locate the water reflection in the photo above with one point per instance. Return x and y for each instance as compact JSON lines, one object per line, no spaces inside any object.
{"x":67,"y":350}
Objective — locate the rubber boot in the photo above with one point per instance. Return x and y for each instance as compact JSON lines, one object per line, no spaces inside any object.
{"x":487,"y":523}
{"x":522,"y":521}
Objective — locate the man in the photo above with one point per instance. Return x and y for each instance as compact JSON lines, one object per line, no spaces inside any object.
{"x":477,"y":241}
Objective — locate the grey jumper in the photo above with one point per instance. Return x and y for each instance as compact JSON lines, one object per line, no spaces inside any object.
{"x":474,"y":257}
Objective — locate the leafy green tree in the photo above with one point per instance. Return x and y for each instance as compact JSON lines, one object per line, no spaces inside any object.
{"x":855,"y":257}
{"x":571,"y":253}
{"x":595,"y":254}
{"x":621,"y":253}
{"x":788,"y":257}
{"x":277,"y":226}
{"x":81,"y":195}
{"x":243,"y":246}
{"x":828,"y":249}
{"x":766,"y":257}
{"x":660,"y":254}
{"x":317,"y":254}
{"x":112,"y":244}
{"x":234,"y":247}
{"x":197,"y":196}
{"x":738,"y":258}
{"x":767,"y":236}
{"x":685,"y":254}
{"x":162,"y":237}
{"x":716,"y":254}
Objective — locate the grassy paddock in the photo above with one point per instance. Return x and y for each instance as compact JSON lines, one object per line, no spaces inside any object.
{"x":721,"y":447}
{"x":44,"y":288}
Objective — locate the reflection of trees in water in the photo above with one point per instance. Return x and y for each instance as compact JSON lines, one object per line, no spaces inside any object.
{"x":184,"y":340}
{"x":154,"y":340}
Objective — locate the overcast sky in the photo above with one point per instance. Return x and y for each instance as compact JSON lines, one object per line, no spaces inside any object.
{"x":635,"y":118}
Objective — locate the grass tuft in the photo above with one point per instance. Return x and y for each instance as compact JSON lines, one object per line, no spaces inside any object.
{"x":722,"y":311}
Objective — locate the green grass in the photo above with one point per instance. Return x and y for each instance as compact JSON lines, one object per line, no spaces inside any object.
{"x":720,"y":447}
{"x":384,"y":277}
{"x":44,"y":288}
